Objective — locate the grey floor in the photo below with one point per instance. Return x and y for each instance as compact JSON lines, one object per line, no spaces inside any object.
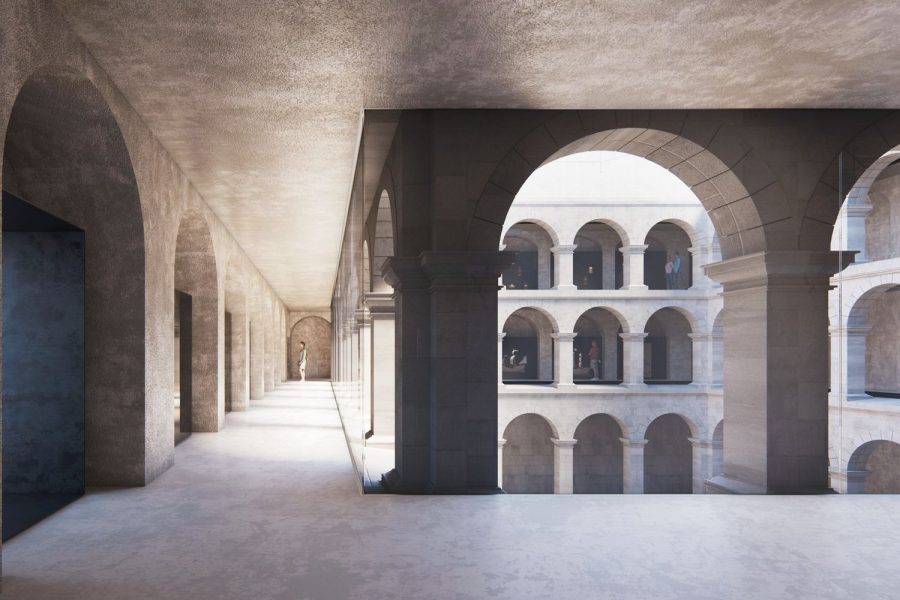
{"x":268,"y":508}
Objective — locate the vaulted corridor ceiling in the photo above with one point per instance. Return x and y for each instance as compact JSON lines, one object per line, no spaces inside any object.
{"x":259,"y":101}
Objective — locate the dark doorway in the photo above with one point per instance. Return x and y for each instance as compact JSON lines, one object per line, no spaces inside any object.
{"x":43,"y":365}
{"x":228,"y":348}
{"x":655,"y":269}
{"x":183,"y":351}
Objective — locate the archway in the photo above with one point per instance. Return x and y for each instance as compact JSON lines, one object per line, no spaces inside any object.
{"x":597,"y":263}
{"x":197,"y":303}
{"x":874,"y":468}
{"x":533,"y":265}
{"x":668,"y":456}
{"x":597,"y":335}
{"x":668,"y":349}
{"x":528,"y":456}
{"x":667,"y":259}
{"x":597,"y":460}
{"x":527,"y":352}
{"x":718,"y":440}
{"x":316,"y":332}
{"x":384,"y":242}
{"x":55,"y":168}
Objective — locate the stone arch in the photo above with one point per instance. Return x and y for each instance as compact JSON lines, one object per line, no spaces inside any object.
{"x":854,"y":168}
{"x":666,"y":241}
{"x":528,"y":346}
{"x":316,"y":332}
{"x":528,"y":465}
{"x":872,"y":350}
{"x":237,"y":339}
{"x":597,"y":263}
{"x":874,"y":468}
{"x":598,"y":455}
{"x":668,"y":455}
{"x":65,"y":154}
{"x":384,"y":245}
{"x":603,"y":325}
{"x":726,"y":195}
{"x":532,"y":240}
{"x":670,"y":346}
{"x":196,"y":275}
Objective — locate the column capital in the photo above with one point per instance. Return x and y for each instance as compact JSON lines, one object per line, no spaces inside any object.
{"x":704,"y":336}
{"x":563,"y":337}
{"x":404,"y":273}
{"x":564,"y":249}
{"x":465,"y":269}
{"x":362,"y":316}
{"x":563,"y":443}
{"x":701,"y":443}
{"x":858,"y":207}
{"x":501,"y":335}
{"x":634,"y":249}
{"x":633,"y":337}
{"x":775,"y":268}
{"x":500,"y":443}
{"x":379,"y":303}
{"x":633,"y":443}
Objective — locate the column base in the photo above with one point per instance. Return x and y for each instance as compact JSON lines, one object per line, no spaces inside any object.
{"x":635,"y":287}
{"x":564,"y":288}
{"x":722,"y":484}
{"x":564,"y":386}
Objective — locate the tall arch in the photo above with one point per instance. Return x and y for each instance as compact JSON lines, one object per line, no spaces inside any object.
{"x":528,"y":346}
{"x":197,"y":277}
{"x":64,"y":153}
{"x":876,"y":466}
{"x":384,"y":242}
{"x":316,"y":332}
{"x":668,"y":456}
{"x":598,"y":261}
{"x":598,"y":456}
{"x":726,"y":196}
{"x":667,"y":259}
{"x":668,"y":347}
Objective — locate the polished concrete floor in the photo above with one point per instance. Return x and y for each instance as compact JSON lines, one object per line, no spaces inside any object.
{"x":269,"y":508}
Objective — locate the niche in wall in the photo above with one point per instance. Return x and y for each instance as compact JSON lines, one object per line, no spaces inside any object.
{"x":43,"y":364}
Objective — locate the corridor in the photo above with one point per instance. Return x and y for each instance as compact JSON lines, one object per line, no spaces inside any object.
{"x":268,"y":508}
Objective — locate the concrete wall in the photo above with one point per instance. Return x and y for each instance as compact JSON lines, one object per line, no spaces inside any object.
{"x":100,"y":168}
{"x":43,"y":350}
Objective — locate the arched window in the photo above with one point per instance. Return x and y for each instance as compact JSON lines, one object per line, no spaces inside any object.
{"x":528,"y":347}
{"x":667,"y":260}
{"x":668,"y":348}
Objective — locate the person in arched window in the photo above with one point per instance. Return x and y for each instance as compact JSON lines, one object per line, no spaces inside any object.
{"x":670,"y":275}
{"x":594,"y":356}
{"x":676,"y":271}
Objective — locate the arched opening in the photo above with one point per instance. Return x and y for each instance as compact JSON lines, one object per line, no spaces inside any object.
{"x":873,"y":347}
{"x":598,"y":353}
{"x":668,"y":349}
{"x":366,"y":270}
{"x":532,"y":268}
{"x":87,"y":363}
{"x":597,"y":262}
{"x":528,"y":347}
{"x":197,"y":309}
{"x":668,"y":456}
{"x":257,"y":355}
{"x":667,"y":259}
{"x":874,"y":468}
{"x":528,"y":456}
{"x":384,"y":242}
{"x":718,"y":455}
{"x":597,"y":460}
{"x":316,"y":332}
{"x":237,"y":342}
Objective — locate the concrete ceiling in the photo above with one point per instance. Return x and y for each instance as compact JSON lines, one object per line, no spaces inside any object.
{"x":259,"y":100}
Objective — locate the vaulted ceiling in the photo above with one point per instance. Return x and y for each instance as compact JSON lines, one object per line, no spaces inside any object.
{"x":259,"y":101}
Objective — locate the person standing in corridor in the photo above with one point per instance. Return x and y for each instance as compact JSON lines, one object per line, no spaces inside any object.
{"x":302,"y":362}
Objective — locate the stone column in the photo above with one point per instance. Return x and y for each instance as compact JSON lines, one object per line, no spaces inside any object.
{"x":563,"y":361}
{"x":633,"y":358}
{"x":240,"y":360}
{"x":412,"y":410}
{"x":381,"y":309}
{"x":776,"y":371}
{"x":257,"y":361}
{"x":500,"y":337}
{"x":848,"y":362}
{"x":544,"y":260}
{"x":609,"y":265}
{"x":500,"y":443}
{"x":633,"y":465}
{"x":446,"y":362}
{"x":563,"y":256}
{"x":855,"y":227}
{"x":364,"y":325}
{"x":701,"y":348}
{"x":704,"y":462}
{"x":633,"y":277}
{"x":701,"y":255}
{"x":563,"y":466}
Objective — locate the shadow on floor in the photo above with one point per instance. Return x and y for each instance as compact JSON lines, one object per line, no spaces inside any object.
{"x":21,"y":511}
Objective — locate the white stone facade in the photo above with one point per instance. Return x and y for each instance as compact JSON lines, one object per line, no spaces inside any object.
{"x":623,"y":199}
